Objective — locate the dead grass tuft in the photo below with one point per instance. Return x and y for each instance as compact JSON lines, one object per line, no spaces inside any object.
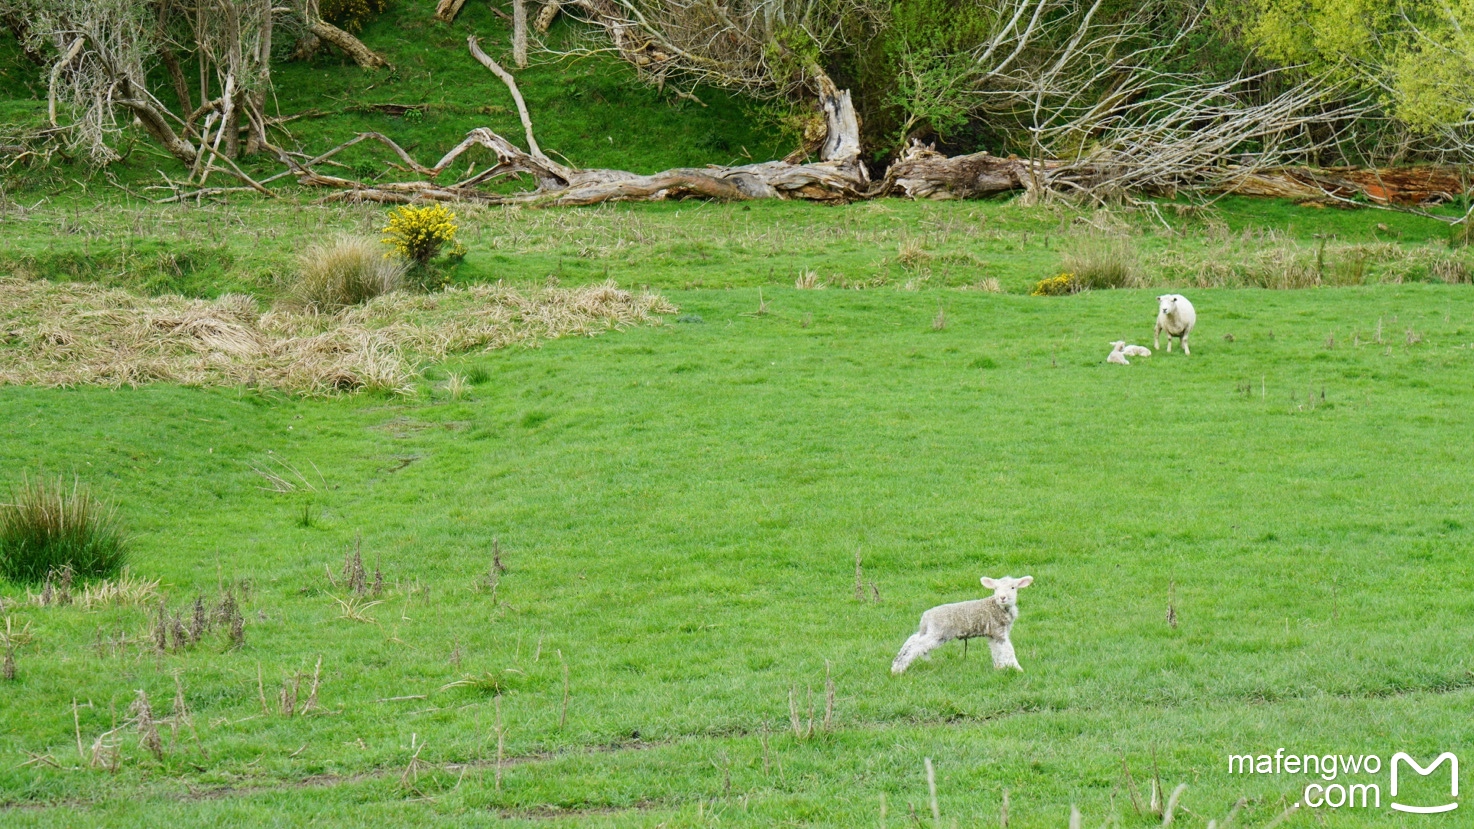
{"x":73,"y":334}
{"x":348,"y":271}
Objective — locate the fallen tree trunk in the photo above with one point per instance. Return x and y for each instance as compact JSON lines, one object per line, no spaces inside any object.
{"x":1409,"y":186}
{"x":839,"y":175}
{"x":352,"y":46}
{"x":923,"y":173}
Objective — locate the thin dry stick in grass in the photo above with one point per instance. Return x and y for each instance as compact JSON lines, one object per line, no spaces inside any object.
{"x":411,"y":775}
{"x":77,"y":726}
{"x":931,"y":793}
{"x":793,"y":718}
{"x":1003,"y":812}
{"x":1076,"y":820}
{"x":148,"y":731}
{"x":311,"y":704}
{"x":859,"y":578}
{"x":1172,"y":604}
{"x":1172,"y":799}
{"x":828,"y":698}
{"x":939,"y":322}
{"x":501,"y":742}
{"x":261,"y":691}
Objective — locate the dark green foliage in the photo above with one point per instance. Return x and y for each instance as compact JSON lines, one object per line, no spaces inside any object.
{"x":48,"y":527}
{"x":351,"y":14}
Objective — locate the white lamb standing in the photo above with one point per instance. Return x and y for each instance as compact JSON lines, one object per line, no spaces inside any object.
{"x":1118,"y":353}
{"x":1176,"y":316}
{"x":991,"y":618}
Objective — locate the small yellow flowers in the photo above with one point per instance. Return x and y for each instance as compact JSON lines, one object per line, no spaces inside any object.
{"x":1056,"y":286}
{"x":418,"y":233}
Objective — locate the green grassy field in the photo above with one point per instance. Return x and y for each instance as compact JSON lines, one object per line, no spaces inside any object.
{"x":679,"y":509}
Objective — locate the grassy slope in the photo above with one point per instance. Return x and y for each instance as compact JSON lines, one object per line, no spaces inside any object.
{"x":250,"y":246}
{"x":680,"y":509}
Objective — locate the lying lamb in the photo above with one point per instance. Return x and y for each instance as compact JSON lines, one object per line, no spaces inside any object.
{"x":1136,"y":351}
{"x":1118,"y":353}
{"x":1176,"y":316}
{"x":992,"y":618}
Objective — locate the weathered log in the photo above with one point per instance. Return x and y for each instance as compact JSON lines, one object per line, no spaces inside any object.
{"x":546,"y":15}
{"x":352,"y":46}
{"x":1398,"y":185}
{"x":923,"y":173}
{"x":446,"y":10}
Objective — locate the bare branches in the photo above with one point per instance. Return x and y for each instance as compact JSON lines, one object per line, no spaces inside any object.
{"x":506,"y":78}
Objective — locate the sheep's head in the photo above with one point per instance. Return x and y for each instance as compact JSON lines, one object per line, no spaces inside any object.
{"x":1167,"y":304}
{"x":1006,"y":589}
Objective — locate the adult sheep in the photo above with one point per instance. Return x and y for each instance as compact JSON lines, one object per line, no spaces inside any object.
{"x":1176,"y":316}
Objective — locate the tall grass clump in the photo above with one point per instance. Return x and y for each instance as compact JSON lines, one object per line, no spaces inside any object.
{"x":1101,"y":263}
{"x":347,"y":271}
{"x":48,"y":527}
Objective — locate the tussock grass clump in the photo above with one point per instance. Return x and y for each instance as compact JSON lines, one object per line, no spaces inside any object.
{"x":1098,"y":264}
{"x":70,"y":334}
{"x":350,"y":270}
{"x":48,"y":527}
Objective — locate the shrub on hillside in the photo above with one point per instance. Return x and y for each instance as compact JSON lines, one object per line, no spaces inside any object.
{"x":1056,"y":286}
{"x":418,"y":233}
{"x":347,"y":271}
{"x":48,"y":527}
{"x":351,"y":14}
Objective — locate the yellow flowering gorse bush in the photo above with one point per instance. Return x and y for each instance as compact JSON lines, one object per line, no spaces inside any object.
{"x":1056,"y":285}
{"x":418,"y":233}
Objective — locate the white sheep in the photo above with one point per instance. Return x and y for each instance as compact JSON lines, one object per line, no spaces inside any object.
{"x":1176,"y":316}
{"x":1118,"y":353}
{"x":1136,"y":351}
{"x":991,"y":618}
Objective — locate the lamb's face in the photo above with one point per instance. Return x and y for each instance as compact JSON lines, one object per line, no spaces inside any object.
{"x":1006,"y":589}
{"x":1167,"y":304}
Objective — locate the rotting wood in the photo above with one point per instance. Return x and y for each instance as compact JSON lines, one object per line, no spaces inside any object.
{"x":447,"y":10}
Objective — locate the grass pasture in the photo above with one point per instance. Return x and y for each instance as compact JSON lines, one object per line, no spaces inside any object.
{"x":679,"y":507}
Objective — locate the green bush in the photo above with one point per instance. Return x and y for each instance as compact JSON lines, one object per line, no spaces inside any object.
{"x":345,"y":272}
{"x":47,"y":527}
{"x":351,"y":14}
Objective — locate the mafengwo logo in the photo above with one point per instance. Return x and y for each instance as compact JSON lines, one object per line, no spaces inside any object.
{"x":1351,"y":781}
{"x":1402,"y":759}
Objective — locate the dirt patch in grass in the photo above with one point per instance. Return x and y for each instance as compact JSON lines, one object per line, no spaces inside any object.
{"x":71,"y":334}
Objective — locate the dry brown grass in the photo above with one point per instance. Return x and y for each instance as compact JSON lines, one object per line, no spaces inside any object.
{"x":74,"y":334}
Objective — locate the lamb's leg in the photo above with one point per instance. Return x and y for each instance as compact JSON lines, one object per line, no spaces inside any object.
{"x":1003,"y":655}
{"x":919,"y":645}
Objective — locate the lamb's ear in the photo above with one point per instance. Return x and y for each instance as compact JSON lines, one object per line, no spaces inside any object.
{"x":991,"y":584}
{"x":1024,"y":582}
